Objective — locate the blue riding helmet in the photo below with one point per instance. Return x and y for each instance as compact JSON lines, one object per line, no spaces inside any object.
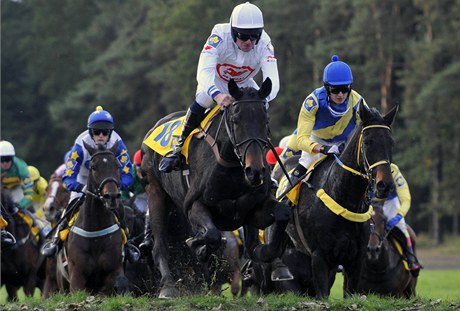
{"x":100,"y":119}
{"x":337,"y":73}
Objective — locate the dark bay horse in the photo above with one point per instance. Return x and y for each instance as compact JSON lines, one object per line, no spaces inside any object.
{"x":94,"y":245}
{"x":21,"y":265}
{"x":229,"y":185}
{"x":56,"y":199}
{"x":383,"y":271}
{"x":330,"y":223}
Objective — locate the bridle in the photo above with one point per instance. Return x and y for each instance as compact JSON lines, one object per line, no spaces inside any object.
{"x":262,"y":143}
{"x":105,"y":197}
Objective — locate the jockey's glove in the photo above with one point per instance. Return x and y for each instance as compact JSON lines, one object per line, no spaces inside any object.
{"x":334,"y":149}
{"x":393,"y":222}
{"x":81,"y":188}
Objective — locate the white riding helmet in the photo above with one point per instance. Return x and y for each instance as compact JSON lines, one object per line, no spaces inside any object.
{"x":6,"y":149}
{"x":246,"y":18}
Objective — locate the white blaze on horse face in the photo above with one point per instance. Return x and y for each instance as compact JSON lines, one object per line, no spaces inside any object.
{"x":50,"y":199}
{"x":54,"y":188}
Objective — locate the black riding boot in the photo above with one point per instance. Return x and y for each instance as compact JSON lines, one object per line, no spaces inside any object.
{"x":412,"y":260}
{"x":172,"y":162}
{"x":147,"y":244}
{"x":132,"y":253}
{"x":51,"y":248}
{"x":7,"y":240}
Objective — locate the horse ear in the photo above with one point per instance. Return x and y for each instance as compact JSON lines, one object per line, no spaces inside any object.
{"x":233,"y":89}
{"x":114,"y":148}
{"x":265,"y":89}
{"x":390,"y":116}
{"x":364,"y":111}
{"x":90,"y":149}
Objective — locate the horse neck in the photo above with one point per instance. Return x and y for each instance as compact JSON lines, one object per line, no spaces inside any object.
{"x":94,"y":215}
{"x":339,"y":176}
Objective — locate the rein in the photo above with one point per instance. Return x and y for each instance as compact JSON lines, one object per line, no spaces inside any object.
{"x":99,"y":195}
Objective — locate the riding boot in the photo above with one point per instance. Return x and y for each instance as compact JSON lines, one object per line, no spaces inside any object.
{"x":192,"y":121}
{"x":147,"y":244}
{"x":51,"y":248}
{"x":131,"y":251}
{"x":412,"y":261}
{"x":7,"y":239}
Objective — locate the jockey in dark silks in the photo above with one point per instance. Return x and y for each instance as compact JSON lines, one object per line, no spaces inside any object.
{"x":100,"y":131}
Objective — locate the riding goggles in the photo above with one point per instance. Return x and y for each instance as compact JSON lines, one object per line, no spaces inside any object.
{"x":245,"y":37}
{"x":6,"y":159}
{"x":340,"y":88}
{"x":97,"y":132}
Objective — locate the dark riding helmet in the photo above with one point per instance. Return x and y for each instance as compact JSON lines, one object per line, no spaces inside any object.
{"x":100,"y":119}
{"x":247,"y":19}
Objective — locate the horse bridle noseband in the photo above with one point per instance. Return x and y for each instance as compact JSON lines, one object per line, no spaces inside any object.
{"x":262,"y":143}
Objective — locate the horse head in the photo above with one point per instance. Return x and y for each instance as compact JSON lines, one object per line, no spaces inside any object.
{"x":247,"y":126}
{"x":377,"y":232}
{"x":104,"y":175}
{"x":375,"y":149}
{"x":56,"y":199}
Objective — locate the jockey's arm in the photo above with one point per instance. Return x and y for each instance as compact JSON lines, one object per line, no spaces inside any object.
{"x":305,"y":125}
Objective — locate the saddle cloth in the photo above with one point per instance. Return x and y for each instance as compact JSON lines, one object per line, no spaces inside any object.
{"x":164,"y":137}
{"x":34,"y":229}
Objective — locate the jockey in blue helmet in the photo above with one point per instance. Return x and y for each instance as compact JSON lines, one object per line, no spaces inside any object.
{"x":327,"y":116}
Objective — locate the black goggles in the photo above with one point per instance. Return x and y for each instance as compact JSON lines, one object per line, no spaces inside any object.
{"x":340,"y":88}
{"x":97,"y":132}
{"x":246,"y":37}
{"x":6,"y":159}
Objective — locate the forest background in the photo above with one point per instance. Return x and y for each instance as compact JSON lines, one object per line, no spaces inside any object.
{"x":138,"y":58}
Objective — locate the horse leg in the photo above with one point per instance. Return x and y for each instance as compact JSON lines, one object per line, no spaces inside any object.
{"x":207,"y":238}
{"x":12,"y":292}
{"x":277,"y":244}
{"x":158,"y":215}
{"x":320,"y":271}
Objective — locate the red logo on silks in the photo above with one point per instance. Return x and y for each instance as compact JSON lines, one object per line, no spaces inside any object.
{"x":229,"y":71}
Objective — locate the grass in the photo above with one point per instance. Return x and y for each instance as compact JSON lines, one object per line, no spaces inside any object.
{"x":436,"y":290}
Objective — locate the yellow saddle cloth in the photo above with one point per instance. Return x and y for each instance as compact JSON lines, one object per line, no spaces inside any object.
{"x":63,"y":234}
{"x":164,"y":137}
{"x":3,"y":222}
{"x":30,"y":222}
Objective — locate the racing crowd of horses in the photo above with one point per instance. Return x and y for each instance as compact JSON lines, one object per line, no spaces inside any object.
{"x":225,"y":186}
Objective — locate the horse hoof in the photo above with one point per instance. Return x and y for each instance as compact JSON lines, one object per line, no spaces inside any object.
{"x":281,"y":274}
{"x":168,"y":292}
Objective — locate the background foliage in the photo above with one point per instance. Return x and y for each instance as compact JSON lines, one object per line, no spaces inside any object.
{"x":61,"y":58}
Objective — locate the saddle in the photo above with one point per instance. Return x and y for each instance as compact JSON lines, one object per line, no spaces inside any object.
{"x":164,"y":137}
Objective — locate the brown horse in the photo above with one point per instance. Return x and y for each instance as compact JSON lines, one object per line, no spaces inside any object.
{"x":383,"y":271}
{"x":56,"y":199}
{"x":21,"y":264}
{"x":229,"y":187}
{"x":94,"y":246}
